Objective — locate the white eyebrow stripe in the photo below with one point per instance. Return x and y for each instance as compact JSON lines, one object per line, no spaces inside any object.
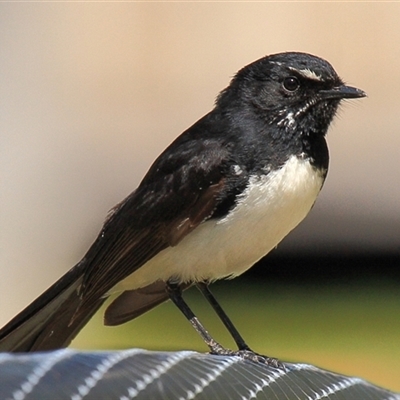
{"x":308,"y":73}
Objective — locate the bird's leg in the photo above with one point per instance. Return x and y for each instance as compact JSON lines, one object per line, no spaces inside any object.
{"x":205,"y":291}
{"x":175,"y":294}
{"x":244,"y":350}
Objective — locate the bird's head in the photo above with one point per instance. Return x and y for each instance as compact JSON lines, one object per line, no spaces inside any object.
{"x":296,"y":92}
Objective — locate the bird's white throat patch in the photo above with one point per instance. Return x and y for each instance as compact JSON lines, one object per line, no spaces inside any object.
{"x":269,"y":208}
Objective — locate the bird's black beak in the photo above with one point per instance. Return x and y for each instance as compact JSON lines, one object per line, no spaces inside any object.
{"x":342,"y":92}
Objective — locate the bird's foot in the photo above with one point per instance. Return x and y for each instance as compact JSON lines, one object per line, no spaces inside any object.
{"x":250,"y":355}
{"x":258,"y":358}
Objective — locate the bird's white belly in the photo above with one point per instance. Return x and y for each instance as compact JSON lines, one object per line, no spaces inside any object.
{"x":269,"y":208}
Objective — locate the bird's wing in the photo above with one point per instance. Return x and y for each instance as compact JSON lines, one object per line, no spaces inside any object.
{"x":183,"y":188}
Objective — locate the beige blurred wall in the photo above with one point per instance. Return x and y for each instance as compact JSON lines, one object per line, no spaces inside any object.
{"x":91,"y":93}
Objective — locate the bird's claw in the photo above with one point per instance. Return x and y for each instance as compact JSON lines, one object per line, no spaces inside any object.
{"x":250,"y":355}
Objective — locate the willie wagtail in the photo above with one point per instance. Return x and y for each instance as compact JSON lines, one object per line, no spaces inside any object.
{"x":219,"y":198}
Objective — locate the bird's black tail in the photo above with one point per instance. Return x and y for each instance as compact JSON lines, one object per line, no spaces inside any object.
{"x":51,"y":321}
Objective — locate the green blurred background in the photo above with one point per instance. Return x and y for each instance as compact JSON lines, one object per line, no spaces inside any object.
{"x":346,"y":324}
{"x":91,"y":93}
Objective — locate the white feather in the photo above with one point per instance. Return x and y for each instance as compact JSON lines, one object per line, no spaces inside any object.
{"x":309,"y":74}
{"x":269,"y":208}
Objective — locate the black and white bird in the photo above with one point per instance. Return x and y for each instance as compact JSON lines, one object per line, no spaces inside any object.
{"x":218,"y":199}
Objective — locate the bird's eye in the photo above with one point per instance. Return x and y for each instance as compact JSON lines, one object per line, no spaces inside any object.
{"x":291,"y":83}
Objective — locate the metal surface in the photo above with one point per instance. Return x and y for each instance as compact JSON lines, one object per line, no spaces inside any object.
{"x":140,"y":374}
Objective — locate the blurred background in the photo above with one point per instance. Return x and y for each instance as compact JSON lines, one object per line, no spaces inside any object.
{"x":91,"y":93}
